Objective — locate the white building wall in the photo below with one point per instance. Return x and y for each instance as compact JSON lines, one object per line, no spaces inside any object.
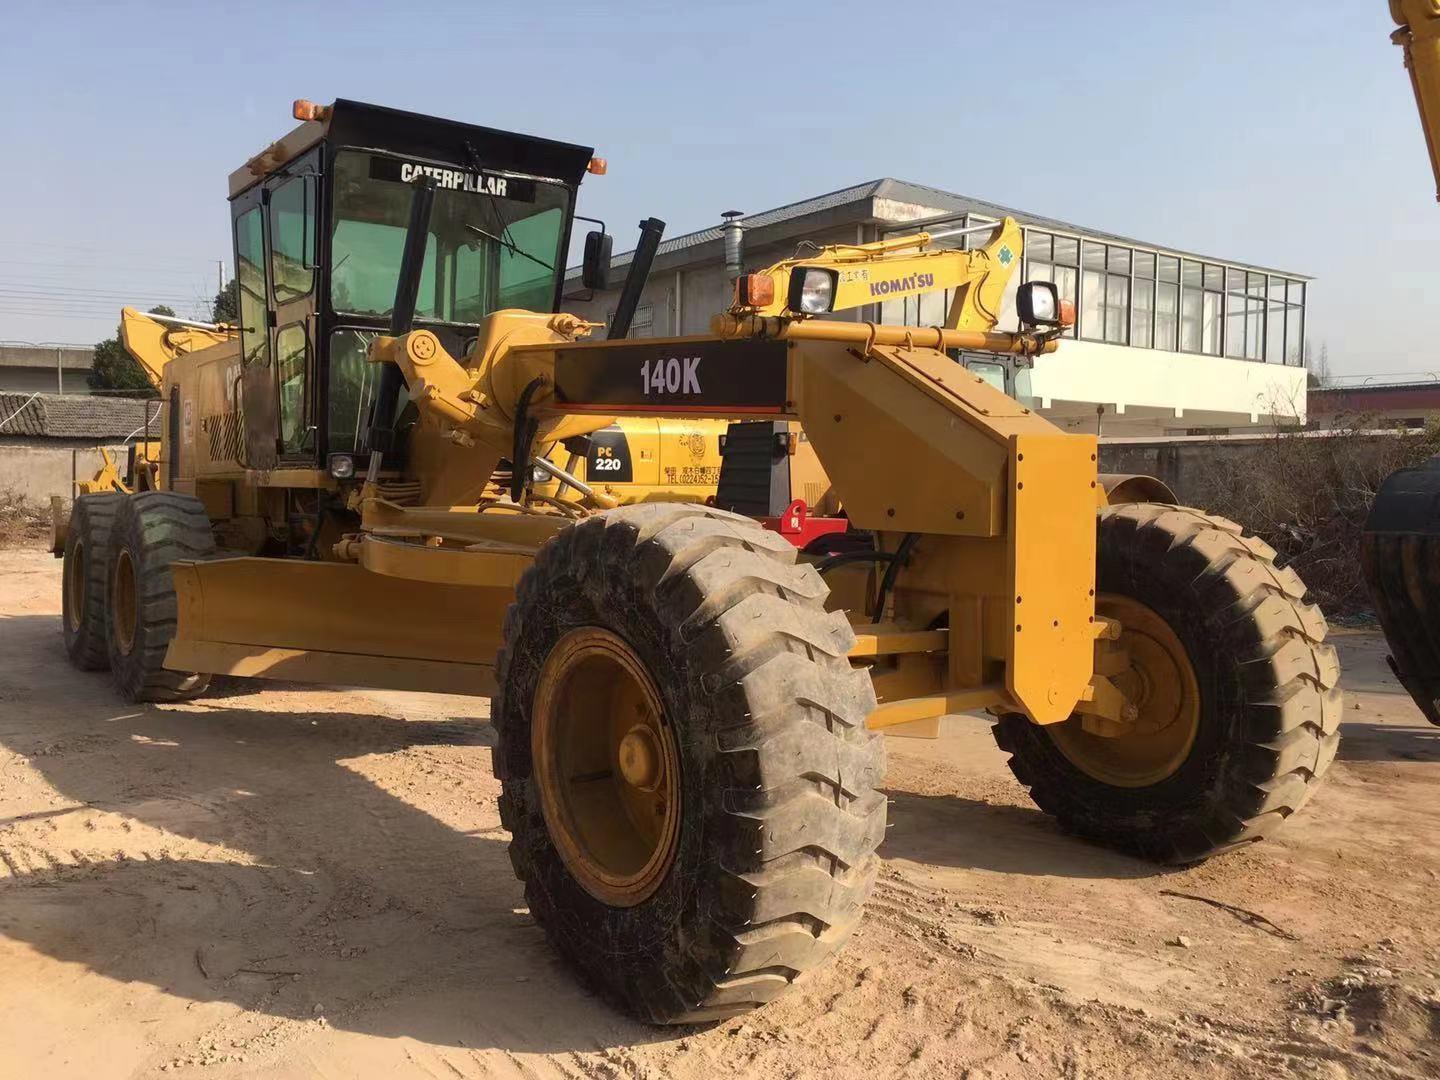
{"x":1146,"y":391}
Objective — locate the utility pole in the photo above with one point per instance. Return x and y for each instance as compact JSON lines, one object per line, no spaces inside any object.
{"x":219,"y":276}
{"x":59,"y":371}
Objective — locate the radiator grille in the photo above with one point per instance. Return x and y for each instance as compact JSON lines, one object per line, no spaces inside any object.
{"x":226,"y":434}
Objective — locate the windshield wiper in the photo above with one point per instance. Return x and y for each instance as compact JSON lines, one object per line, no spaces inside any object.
{"x":509,"y":245}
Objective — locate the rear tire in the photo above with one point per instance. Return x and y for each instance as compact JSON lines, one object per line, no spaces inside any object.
{"x":152,"y":530}
{"x":778,"y":816}
{"x":83,"y":607}
{"x":1269,"y":708}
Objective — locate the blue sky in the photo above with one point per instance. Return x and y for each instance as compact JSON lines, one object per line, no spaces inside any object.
{"x":1227,"y":128}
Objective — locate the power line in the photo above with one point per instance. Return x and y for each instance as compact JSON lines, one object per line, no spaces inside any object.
{"x":127,"y":296}
{"x":109,"y":250}
{"x":184,"y":269}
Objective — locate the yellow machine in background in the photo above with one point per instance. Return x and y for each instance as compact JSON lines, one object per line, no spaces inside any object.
{"x":1398,"y":553}
{"x":687,"y":709}
{"x":841,"y":277}
{"x":679,"y":460}
{"x":1418,"y":34}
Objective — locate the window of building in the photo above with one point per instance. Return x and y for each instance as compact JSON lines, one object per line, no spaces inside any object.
{"x":1167,"y":302}
{"x":1212,"y":305}
{"x":1202,"y":299}
{"x":1235,"y":313}
{"x":1117,"y":294}
{"x":1092,"y":291}
{"x":1255,"y":317}
{"x":1190,"y":307}
{"x":1142,"y":308}
{"x":1284,"y":320}
{"x":1104,"y":292}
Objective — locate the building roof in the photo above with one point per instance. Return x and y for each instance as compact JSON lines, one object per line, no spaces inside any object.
{"x":860,"y":200}
{"x":75,"y":416}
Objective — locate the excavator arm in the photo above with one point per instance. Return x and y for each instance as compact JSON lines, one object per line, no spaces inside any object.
{"x":1400,"y":548}
{"x":155,"y":340}
{"x":841,"y":277}
{"x":1419,"y":36}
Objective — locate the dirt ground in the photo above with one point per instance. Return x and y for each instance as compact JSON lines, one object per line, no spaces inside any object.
{"x":287,"y":882}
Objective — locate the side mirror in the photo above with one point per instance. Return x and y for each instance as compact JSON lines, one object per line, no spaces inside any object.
{"x":595,"y":270}
{"x":1038,"y":303}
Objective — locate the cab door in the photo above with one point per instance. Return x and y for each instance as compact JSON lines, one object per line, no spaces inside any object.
{"x":275,"y":227}
{"x":291,"y":201}
{"x":256,"y":380}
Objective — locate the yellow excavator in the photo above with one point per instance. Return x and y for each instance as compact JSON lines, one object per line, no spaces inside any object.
{"x":688,"y":709}
{"x":1400,"y":551}
{"x":679,"y":459}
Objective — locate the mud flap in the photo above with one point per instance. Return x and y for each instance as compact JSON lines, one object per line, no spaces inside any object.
{"x":1400,"y":557}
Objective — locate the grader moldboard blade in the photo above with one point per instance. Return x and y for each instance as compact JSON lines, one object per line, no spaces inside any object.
{"x":1400,"y":555}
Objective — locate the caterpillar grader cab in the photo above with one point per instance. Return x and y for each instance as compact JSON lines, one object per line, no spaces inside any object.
{"x":688,"y":708}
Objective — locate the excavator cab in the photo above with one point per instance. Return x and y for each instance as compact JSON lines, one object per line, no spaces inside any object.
{"x":319,"y":221}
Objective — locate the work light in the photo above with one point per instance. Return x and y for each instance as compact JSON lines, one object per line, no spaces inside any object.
{"x":1038,"y":303}
{"x":340,"y":466}
{"x":812,"y":290}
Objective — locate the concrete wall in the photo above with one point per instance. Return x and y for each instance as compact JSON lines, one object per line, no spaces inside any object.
{"x":23,"y":380}
{"x":51,"y":369}
{"x":35,"y":470}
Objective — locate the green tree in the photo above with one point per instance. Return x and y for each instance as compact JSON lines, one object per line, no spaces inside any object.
{"x":226,"y":308}
{"x":114,"y":369}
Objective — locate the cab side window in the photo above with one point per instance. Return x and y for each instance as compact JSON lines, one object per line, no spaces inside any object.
{"x":292,"y":238}
{"x":250,"y":277}
{"x":292,"y":349}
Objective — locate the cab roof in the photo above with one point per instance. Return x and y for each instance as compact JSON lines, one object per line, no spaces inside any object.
{"x":378,"y":127}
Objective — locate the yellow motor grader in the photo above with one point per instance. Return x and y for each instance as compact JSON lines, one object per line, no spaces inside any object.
{"x":688,"y":709}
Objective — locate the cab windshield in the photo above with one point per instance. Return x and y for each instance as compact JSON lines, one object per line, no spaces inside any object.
{"x":494,"y":240}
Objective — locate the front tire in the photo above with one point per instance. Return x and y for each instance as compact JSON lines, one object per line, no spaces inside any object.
{"x":152,"y":530}
{"x":83,"y":606}
{"x":1264,"y":707}
{"x":679,"y":652}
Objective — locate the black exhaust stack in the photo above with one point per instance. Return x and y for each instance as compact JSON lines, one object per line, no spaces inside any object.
{"x":402,"y":315}
{"x":651,"y":229}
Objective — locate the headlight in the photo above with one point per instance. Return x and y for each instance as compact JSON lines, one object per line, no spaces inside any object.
{"x":538,"y":475}
{"x":340,"y":466}
{"x":812,"y":290}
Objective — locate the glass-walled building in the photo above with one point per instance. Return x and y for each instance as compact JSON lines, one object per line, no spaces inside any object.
{"x":1144,"y":297}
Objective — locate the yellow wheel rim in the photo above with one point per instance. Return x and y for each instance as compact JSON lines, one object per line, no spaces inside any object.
{"x":123,"y":608}
{"x":1160,"y":682}
{"x":75,"y":587}
{"x":606,"y":766}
